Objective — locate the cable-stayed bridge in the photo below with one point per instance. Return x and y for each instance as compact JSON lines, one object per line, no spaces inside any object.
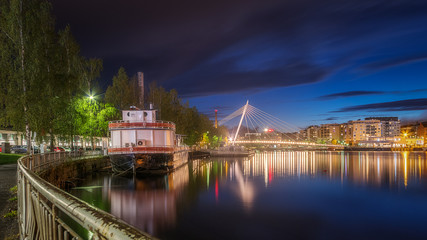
{"x":260,"y":127}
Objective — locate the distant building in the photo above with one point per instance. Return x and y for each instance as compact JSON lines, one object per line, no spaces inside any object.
{"x":422,"y":130}
{"x":303,"y":134}
{"x":409,"y":130}
{"x":346,"y":133}
{"x":329,"y":132}
{"x":390,"y":126}
{"x":365,"y":129}
{"x":312,"y":133}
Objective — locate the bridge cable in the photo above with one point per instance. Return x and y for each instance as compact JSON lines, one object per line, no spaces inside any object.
{"x":275,"y":123}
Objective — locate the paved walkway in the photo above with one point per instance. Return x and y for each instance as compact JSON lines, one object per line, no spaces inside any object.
{"x":8,"y":226}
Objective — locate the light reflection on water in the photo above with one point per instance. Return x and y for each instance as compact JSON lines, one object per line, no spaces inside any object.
{"x":309,"y":193}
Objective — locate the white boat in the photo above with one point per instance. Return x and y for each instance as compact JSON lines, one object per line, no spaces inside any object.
{"x":141,"y":144}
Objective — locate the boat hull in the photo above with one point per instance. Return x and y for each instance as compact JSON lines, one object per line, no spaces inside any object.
{"x":148,"y":162}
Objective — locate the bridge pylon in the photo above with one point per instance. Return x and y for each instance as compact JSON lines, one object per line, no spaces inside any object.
{"x":241,"y":120}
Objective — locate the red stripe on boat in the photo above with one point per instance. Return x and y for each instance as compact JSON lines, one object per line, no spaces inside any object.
{"x":142,"y":149}
{"x":141,"y":124}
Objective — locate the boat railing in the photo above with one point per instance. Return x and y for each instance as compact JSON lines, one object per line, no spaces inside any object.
{"x":132,"y":124}
{"x":133,"y":148}
{"x":141,"y":146}
{"x":47,"y":212}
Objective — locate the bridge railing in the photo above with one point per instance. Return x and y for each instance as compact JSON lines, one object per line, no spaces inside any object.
{"x":47,"y":212}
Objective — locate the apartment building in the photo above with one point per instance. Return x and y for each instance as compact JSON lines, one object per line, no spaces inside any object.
{"x":328,"y":132}
{"x":365,"y":129}
{"x":312,"y":133}
{"x":390,"y":126}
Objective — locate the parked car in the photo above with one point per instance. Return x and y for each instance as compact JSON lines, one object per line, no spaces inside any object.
{"x":36,"y":149}
{"x":67,"y":149}
{"x":18,"y":149}
{"x":77,"y":148}
{"x":58,"y":149}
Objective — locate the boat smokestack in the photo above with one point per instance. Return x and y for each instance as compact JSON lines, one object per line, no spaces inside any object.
{"x":151,"y":106}
{"x":141,"y":88}
{"x":216,"y":118}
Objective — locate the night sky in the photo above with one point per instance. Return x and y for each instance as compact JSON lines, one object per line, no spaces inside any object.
{"x":304,"y":61}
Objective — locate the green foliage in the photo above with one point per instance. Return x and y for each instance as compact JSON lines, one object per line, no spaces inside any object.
{"x":6,"y":158}
{"x":14,"y":189}
{"x":12,"y":213}
{"x":41,"y":71}
{"x":205,"y":140}
{"x":92,"y":117}
{"x":12,"y":199}
{"x":215,"y":141}
{"x":124,"y":92}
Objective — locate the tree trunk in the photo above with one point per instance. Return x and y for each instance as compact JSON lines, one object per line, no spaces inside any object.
{"x":72,"y":142}
{"x":51,"y":139}
{"x":24,"y":82}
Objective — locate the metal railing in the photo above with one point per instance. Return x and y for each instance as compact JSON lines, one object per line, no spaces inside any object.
{"x":133,"y":121}
{"x":134,"y":148}
{"x":47,"y":212}
{"x":127,"y":124}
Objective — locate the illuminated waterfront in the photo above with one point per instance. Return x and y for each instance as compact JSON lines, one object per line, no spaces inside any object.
{"x":293,"y":195}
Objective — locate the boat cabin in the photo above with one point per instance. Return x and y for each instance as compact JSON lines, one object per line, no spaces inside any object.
{"x":139,"y":130}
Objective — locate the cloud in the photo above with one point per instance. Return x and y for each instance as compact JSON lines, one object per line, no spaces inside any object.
{"x":363,"y":93}
{"x":229,"y":79}
{"x":402,"y":105}
{"x":330,"y":119}
{"x":388,"y":63}
{"x":349,"y":94}
{"x":214,"y":47}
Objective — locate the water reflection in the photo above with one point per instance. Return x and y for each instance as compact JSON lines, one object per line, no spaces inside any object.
{"x":149,"y":204}
{"x":208,"y":190}
{"x":391,"y":169}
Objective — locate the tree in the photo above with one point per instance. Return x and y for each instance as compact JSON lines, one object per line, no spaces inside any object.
{"x":205,"y":140}
{"x":27,"y":52}
{"x":92,"y":70}
{"x":93,"y":117}
{"x":215,"y":142}
{"x":120,"y":94}
{"x":41,"y":71}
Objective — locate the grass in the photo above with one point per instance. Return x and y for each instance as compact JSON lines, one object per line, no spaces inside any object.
{"x":12,"y":213}
{"x":8,"y":158}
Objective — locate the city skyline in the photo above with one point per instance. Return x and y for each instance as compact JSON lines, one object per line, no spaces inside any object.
{"x":306,"y":62}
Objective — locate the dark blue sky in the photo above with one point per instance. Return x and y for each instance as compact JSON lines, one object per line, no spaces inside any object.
{"x":304,"y":61}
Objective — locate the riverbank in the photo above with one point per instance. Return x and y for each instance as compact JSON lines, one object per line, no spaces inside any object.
{"x":8,"y":204}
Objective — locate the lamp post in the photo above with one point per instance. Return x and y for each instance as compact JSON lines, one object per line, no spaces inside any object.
{"x":91,"y":97}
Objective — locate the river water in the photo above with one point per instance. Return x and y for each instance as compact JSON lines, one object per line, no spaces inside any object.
{"x":275,"y":195}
